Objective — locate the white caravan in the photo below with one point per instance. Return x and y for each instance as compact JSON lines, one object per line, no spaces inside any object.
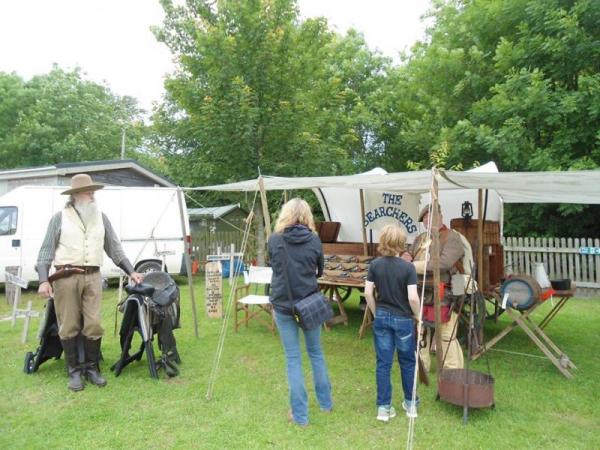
{"x":146,"y":219}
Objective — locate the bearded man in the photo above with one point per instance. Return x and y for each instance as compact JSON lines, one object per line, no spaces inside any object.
{"x":75,"y":241}
{"x":451,"y":253}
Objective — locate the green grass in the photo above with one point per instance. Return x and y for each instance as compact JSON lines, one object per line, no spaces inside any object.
{"x":536,"y":407}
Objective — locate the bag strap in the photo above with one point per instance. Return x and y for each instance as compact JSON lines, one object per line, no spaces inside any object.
{"x":285,"y":269}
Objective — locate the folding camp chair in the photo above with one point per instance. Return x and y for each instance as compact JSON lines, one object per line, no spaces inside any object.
{"x":254,"y":305}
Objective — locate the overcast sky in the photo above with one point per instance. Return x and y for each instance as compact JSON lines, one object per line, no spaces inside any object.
{"x":111,"y":41}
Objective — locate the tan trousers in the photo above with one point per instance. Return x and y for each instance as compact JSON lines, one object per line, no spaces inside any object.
{"x":77,"y":300}
{"x":454,"y":357}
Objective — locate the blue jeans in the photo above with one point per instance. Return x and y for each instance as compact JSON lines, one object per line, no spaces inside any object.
{"x":288,"y":330}
{"x":393,"y":333}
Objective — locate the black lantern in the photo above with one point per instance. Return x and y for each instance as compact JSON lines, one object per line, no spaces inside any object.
{"x":467,"y":210}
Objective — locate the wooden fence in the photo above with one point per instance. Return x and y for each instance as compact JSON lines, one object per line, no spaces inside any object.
{"x":209,"y":244}
{"x":562,"y":258}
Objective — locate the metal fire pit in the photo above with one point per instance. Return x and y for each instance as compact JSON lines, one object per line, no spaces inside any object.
{"x":479,"y":391}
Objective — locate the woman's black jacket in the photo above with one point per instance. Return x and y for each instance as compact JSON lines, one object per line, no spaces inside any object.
{"x":304,"y":265}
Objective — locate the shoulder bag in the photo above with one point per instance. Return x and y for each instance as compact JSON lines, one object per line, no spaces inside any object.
{"x":312,"y":311}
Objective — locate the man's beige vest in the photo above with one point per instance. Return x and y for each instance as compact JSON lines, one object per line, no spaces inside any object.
{"x":78,"y":245}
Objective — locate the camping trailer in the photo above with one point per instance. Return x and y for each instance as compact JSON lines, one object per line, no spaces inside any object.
{"x":146,"y":219}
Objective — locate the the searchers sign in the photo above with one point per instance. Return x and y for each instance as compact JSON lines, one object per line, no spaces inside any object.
{"x":390,"y":206}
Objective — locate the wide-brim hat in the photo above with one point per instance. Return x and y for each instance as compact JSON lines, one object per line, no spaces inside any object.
{"x":82,"y":182}
{"x":425,"y":210}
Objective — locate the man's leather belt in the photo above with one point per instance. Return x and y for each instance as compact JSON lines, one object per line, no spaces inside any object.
{"x":68,"y":270}
{"x":86,"y":269}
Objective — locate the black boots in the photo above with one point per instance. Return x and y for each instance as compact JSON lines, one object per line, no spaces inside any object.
{"x":90,"y":369}
{"x":92,"y":359}
{"x":73,"y":368}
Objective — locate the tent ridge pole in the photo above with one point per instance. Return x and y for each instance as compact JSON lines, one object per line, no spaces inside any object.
{"x":265,"y":206}
{"x":362,"y":220}
{"x":435,"y":259}
{"x":187,"y":246}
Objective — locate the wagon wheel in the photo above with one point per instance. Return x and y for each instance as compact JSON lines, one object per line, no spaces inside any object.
{"x":479,"y":317}
{"x":343,"y":292}
{"x":493,"y":309}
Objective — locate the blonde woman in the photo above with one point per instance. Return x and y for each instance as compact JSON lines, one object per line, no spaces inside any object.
{"x":296,"y":255}
{"x":395,"y":310}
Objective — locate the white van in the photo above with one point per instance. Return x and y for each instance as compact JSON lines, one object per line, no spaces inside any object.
{"x":146,"y":219}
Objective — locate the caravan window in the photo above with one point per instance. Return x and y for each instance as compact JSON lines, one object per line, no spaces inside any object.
{"x":8,"y":220}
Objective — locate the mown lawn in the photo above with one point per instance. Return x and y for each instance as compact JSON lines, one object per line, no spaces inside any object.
{"x":536,"y":407}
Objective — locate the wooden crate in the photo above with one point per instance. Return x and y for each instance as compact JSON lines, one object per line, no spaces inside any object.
{"x":328,"y":231}
{"x":348,"y":248}
{"x":491,"y":231}
{"x":496,"y":264}
{"x":493,"y":254}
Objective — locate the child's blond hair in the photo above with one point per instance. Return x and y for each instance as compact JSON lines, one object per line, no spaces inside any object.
{"x":392,"y":240}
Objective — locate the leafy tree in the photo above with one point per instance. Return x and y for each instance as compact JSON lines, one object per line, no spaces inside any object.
{"x":514,"y":81}
{"x":257,"y":88}
{"x":60,"y":116}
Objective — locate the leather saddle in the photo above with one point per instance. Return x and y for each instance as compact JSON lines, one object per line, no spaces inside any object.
{"x":147,"y":290}
{"x":159,"y":286}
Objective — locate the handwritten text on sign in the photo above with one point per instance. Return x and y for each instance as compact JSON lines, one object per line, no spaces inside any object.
{"x":214,"y":289}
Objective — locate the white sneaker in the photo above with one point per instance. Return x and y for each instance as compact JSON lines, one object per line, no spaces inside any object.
{"x":410,"y":408}
{"x":385,"y":414}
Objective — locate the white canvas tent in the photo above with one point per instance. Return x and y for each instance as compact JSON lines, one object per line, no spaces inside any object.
{"x":576,"y":186}
{"x":382,"y":207}
{"x":452,"y":200}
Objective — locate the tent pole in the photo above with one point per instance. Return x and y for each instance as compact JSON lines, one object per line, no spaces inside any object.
{"x":265,"y":207}
{"x":362,"y":220}
{"x":187,"y":246}
{"x":480,"y":239}
{"x":435,"y":260}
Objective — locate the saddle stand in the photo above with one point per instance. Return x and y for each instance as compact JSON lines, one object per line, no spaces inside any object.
{"x":141,"y":315}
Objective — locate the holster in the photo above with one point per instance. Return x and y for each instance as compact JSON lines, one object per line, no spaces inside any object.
{"x":64,"y":272}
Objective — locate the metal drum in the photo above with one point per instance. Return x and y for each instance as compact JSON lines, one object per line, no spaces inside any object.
{"x":523,"y":292}
{"x":464,"y":387}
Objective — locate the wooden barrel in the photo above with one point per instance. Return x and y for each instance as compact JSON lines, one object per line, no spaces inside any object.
{"x":523,"y":292}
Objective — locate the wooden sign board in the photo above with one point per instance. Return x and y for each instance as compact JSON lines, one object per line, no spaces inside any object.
{"x":10,"y":288}
{"x":214,"y":289}
{"x":17,"y":281}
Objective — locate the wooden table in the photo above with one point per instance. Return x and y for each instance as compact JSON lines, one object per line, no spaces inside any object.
{"x":536,"y":334}
{"x":333,"y":291}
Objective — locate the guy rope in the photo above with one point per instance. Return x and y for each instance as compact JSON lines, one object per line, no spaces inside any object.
{"x":411,"y":420}
{"x":233,"y":273}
